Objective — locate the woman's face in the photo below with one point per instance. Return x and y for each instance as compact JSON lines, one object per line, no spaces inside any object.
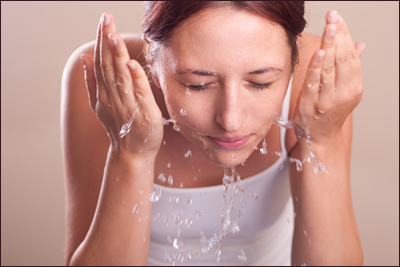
{"x":224,"y":76}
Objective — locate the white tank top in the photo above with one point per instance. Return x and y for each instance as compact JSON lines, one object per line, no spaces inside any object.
{"x":181,"y":228}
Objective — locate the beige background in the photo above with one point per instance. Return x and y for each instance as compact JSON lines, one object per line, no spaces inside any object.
{"x":38,"y":37}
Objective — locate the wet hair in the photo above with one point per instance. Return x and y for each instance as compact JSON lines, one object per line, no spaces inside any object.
{"x":162,"y":17}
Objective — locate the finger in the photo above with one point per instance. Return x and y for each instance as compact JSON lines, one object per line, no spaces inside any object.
{"x":346,"y":59}
{"x":122,"y":76}
{"x":101,"y":92}
{"x":313,"y":79}
{"x":107,"y":58}
{"x":90,"y":79}
{"x":360,"y":48}
{"x":328,"y":44}
{"x":142,"y":89}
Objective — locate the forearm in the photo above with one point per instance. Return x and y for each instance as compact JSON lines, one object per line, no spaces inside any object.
{"x":117,"y":235}
{"x":325,"y":230}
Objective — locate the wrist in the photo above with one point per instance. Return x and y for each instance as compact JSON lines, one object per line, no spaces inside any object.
{"x":321,"y":146}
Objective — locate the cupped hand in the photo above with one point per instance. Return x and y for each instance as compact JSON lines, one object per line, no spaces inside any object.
{"x":120,"y":93}
{"x":333,"y":85}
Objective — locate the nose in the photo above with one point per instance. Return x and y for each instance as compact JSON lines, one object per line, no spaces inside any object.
{"x":231,"y":114}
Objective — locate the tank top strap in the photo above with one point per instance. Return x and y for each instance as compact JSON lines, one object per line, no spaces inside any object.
{"x":285,"y":115}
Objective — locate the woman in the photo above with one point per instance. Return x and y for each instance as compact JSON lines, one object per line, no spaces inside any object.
{"x":224,"y":76}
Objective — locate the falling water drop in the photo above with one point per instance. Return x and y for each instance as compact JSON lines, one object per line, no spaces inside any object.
{"x":183,"y":112}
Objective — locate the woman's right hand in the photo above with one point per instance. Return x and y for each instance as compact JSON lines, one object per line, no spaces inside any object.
{"x":118,"y":89}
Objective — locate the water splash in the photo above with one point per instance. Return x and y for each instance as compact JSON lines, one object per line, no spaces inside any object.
{"x":188,"y":153}
{"x":155,"y":195}
{"x":126,"y":128}
{"x":264,"y":150}
{"x":242,"y":256}
{"x":183,"y":112}
{"x":302,"y":134}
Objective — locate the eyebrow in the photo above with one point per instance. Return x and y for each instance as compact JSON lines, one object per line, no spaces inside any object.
{"x":197,"y":72}
{"x":268,"y":69}
{"x":208,"y":73}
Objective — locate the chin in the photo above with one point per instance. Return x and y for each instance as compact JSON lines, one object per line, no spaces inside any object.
{"x":227,"y":158}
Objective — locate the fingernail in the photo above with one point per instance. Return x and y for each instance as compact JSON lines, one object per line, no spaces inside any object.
{"x":333,"y":16}
{"x":106,"y":19}
{"x":321,"y":54}
{"x":114,"y":41}
{"x":332,"y":30}
{"x":363,"y":46}
{"x":132,"y":65}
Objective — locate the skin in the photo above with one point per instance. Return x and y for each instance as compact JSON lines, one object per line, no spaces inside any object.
{"x":105,"y":172}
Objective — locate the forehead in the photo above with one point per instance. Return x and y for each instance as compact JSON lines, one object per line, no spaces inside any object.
{"x":222,"y":34}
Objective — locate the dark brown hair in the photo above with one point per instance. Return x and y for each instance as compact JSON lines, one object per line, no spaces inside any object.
{"x":162,"y":17}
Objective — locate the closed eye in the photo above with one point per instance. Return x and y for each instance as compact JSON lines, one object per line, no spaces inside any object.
{"x":260,"y":86}
{"x":199,"y":87}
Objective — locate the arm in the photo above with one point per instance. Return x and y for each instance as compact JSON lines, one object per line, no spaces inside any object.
{"x":103,"y":177}
{"x":325,"y":230}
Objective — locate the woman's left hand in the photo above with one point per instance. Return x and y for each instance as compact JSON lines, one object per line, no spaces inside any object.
{"x":333,"y":85}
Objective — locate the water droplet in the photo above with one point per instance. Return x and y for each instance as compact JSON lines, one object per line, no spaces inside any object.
{"x":148,"y":172}
{"x":181,"y":185}
{"x":279,"y":154}
{"x":164,"y":142}
{"x":281,"y":168}
{"x":161,"y":177}
{"x":168,"y":165}
{"x":283,"y":123}
{"x":240,"y":213}
{"x":155,"y":195}
{"x":141,"y":192}
{"x":177,"y":220}
{"x":188,"y":91}
{"x":177,"y":243}
{"x":305,"y":233}
{"x":264,"y":150}
{"x":134,"y":208}
{"x":164,"y":220}
{"x":188,"y":222}
{"x":299,"y":165}
{"x":117,"y":179}
{"x":189,"y":201}
{"x":254,"y":196}
{"x":309,"y":85}
{"x":146,"y":140}
{"x":126,"y":128}
{"x":242,"y":256}
{"x":173,"y":200}
{"x":198,"y":213}
{"x":183,"y":112}
{"x":169,"y":239}
{"x":195,"y":178}
{"x":188,"y":153}
{"x":170,"y":180}
{"x":166,"y":122}
{"x":153,"y":128}
{"x":176,"y":128}
{"x":149,"y":161}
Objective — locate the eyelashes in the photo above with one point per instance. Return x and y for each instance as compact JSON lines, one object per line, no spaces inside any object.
{"x":199,"y":87}
{"x":260,"y":86}
{"x":205,"y":86}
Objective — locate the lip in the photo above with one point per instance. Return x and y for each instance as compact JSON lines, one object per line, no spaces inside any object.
{"x":229,"y":142}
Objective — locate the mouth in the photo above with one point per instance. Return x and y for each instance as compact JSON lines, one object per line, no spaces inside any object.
{"x":229,"y":143}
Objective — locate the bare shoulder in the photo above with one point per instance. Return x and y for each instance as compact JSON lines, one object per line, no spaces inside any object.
{"x":308,"y":44}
